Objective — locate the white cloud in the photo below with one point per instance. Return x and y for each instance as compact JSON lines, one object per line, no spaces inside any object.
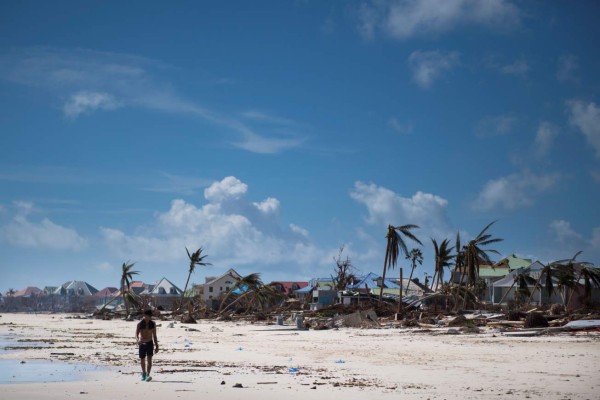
{"x":268,"y":206}
{"x":229,"y":187}
{"x":106,"y":81}
{"x":299,"y":230}
{"x":45,"y":234}
{"x":387,"y":207}
{"x":87,"y":102}
{"x":427,"y":66}
{"x":514,"y":191}
{"x":586,"y":117}
{"x":234,"y":231}
{"x":565,"y":234}
{"x":402,"y":19}
{"x":568,"y":65}
{"x":544,"y":138}
{"x":495,"y":125}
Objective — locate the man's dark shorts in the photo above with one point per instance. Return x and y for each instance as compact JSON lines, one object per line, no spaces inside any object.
{"x":146,"y":349}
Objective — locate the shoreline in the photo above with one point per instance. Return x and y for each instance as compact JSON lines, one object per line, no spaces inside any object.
{"x":271,"y":361}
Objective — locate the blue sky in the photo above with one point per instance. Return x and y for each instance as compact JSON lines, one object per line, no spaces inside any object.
{"x":272,"y":133}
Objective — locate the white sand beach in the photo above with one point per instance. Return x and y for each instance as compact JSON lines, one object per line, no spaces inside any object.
{"x":209,"y":359}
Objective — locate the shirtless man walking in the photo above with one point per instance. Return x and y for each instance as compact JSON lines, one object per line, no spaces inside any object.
{"x":145,"y":334}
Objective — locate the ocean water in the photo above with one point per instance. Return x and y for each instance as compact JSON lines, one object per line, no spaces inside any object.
{"x":38,"y":371}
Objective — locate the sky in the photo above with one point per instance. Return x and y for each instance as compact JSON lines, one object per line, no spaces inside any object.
{"x":274,"y":133}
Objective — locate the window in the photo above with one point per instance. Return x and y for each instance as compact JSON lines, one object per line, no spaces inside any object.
{"x":221,"y":289}
{"x":161,"y":290}
{"x":172,"y":290}
{"x":210,"y":289}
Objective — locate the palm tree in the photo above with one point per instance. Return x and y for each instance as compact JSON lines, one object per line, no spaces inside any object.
{"x":475,"y":253}
{"x":196,"y":258}
{"x":395,"y":245}
{"x":415,"y":256}
{"x":248,"y":283}
{"x":553,"y":270}
{"x":126,"y":278}
{"x":443,"y":259}
{"x":591,"y":278}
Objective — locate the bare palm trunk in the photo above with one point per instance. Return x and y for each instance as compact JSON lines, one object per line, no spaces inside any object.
{"x":574,"y":289}
{"x":433,"y":280}
{"x":409,"y":280}
{"x":385,"y":266}
{"x":506,"y":294}
{"x":400,"y":303}
{"x":459,"y":286}
{"x":537,"y":284}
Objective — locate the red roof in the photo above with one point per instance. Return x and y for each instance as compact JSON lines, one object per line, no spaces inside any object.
{"x":290,"y":286}
{"x":28,"y":291}
{"x":107,"y":291}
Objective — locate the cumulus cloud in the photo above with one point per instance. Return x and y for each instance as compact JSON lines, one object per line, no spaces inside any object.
{"x":402,"y":19}
{"x":21,"y":231}
{"x":514,"y":191}
{"x":387,"y":207}
{"x":586,"y":117}
{"x":268,"y":206}
{"x":428,"y":66}
{"x":87,"y":102}
{"x":233,"y":230}
{"x":229,"y":187}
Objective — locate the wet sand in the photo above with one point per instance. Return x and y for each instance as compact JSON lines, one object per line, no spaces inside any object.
{"x":213,"y":359}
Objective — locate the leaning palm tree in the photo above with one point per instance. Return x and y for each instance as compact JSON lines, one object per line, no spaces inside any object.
{"x":551,"y":272}
{"x":196,"y":258}
{"x":248,"y":284}
{"x":264,"y":296}
{"x":415,"y":256}
{"x":126,"y":278}
{"x":395,"y":245}
{"x":443,"y":259}
{"x":591,"y":278}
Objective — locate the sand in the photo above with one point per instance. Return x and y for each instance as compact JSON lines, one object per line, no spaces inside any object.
{"x":209,"y":359}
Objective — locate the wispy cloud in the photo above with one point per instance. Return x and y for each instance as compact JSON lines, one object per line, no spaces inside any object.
{"x":519,"y":68}
{"x":568,"y":66}
{"x":428,"y":66}
{"x":88,"y":102}
{"x":89,"y":80}
{"x":402,"y":128}
{"x":544,"y":138}
{"x":586,"y":117}
{"x":514,"y":191}
{"x":170,"y":183}
{"x":495,"y":125}
{"x":402,"y":19}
